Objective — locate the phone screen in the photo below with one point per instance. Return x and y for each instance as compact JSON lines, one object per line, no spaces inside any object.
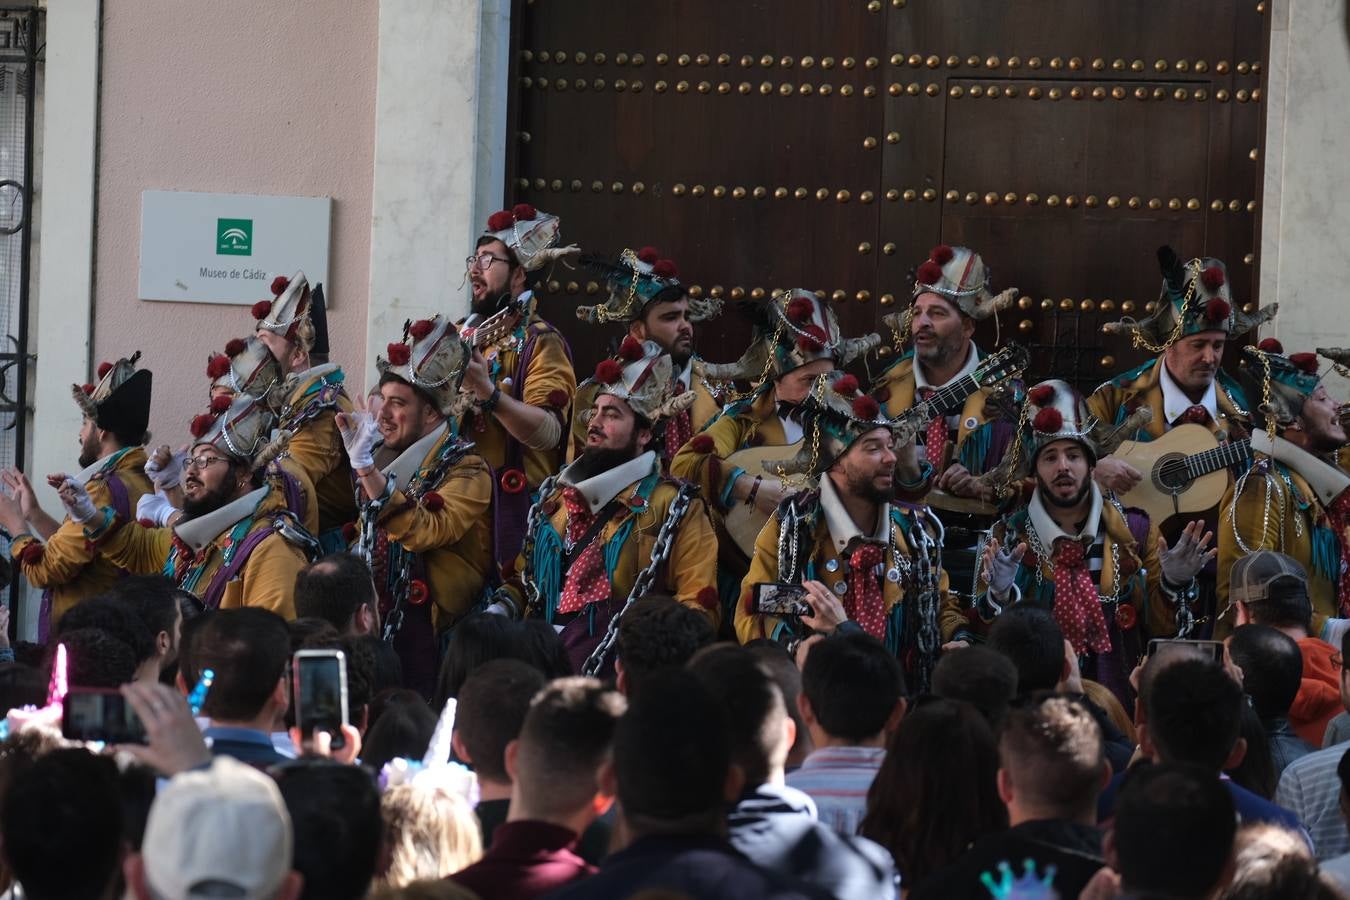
{"x":321,"y":693}
{"x":92,"y":715}
{"x":1200,"y":649}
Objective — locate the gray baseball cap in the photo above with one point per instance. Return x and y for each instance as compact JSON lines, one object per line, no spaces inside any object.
{"x":1255,"y":575}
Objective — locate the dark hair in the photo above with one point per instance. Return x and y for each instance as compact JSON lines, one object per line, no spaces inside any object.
{"x":418,"y":392}
{"x":1272,"y":667}
{"x":568,"y":732}
{"x":1053,"y":750}
{"x":753,"y":705}
{"x":188,"y":604}
{"x":853,"y":685}
{"x":543,"y":648}
{"x":136,"y":786}
{"x":402,"y":729}
{"x":187,"y":641}
{"x":492,"y":707}
{"x":311,"y":632}
{"x":672,"y":753}
{"x":335,"y":816}
{"x":781,"y":667}
{"x":512,"y":261}
{"x":1173,"y":830}
{"x":360,"y":656}
{"x":474,"y":640}
{"x":247,"y":649}
{"x":1032,"y":639}
{"x":982,"y":677}
{"x":1272,"y":861}
{"x":936,"y":790}
{"x":1194,"y":712}
{"x":94,"y":658}
{"x":1256,"y":772}
{"x":151,"y":598}
{"x":114,"y":617}
{"x":62,"y":825}
{"x":334,"y":588}
{"x":657,"y":633}
{"x":1287,"y":606}
{"x":21,"y":685}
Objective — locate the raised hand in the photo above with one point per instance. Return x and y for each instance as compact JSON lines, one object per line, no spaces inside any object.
{"x":74,"y":498}
{"x":165,"y":468}
{"x":21,"y":489}
{"x":360,"y":432}
{"x":999,"y":566}
{"x":1184,"y":559}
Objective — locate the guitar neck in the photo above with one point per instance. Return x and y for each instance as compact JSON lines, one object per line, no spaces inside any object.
{"x":1221,"y":457}
{"x":950,"y":396}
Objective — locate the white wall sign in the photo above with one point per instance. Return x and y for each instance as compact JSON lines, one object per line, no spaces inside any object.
{"x":227,"y":248}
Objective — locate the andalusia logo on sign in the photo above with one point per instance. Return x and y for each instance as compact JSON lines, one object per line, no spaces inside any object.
{"x":234,"y":237}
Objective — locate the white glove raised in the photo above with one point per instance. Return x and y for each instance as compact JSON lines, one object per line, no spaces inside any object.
{"x":1000,"y":567}
{"x":1183,"y":560}
{"x":164,"y":468}
{"x":359,"y":434}
{"x":77,"y":502}
{"x":156,"y":508}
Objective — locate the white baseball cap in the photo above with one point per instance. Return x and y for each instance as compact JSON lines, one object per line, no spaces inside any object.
{"x":222,"y":826}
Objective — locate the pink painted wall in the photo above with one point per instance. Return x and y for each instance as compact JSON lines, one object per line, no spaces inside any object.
{"x":246,"y":96}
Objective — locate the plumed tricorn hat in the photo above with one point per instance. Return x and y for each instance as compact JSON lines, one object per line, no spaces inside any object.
{"x":834,"y":414}
{"x":1288,"y":380}
{"x":240,"y":427}
{"x":1195,"y":297}
{"x":120,"y":400}
{"x":246,"y":367}
{"x":637,"y":279}
{"x":287,"y":314}
{"x":433,"y":358}
{"x":642,"y":375}
{"x":530,"y":234}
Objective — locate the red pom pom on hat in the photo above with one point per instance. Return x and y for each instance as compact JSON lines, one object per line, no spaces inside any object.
{"x":800,"y":309}
{"x":865,"y":407}
{"x":103,"y":369}
{"x":1304,"y":362}
{"x":1270,"y":345}
{"x":846,"y":385}
{"x":1048,"y":420}
{"x":649,"y":255}
{"x":220,"y":403}
{"x":201,"y":424}
{"x":421,"y":328}
{"x":433,"y":502}
{"x":279,"y":284}
{"x":1217,"y":309}
{"x":665,"y":268}
{"x":1041,"y":394}
{"x":500,"y":221}
{"x":1212,"y":278}
{"x":261,"y":309}
{"x":399,"y":354}
{"x":524,"y":212}
{"x":707,"y":598}
{"x":942,"y":254}
{"x":235,"y":346}
{"x":608,"y":372}
{"x":217,"y":366}
{"x":631,"y":349}
{"x":814,"y":339}
{"x":929,"y":273}
{"x":702,"y":443}
{"x":87,"y":388}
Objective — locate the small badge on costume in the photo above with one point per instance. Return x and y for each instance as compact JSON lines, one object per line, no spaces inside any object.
{"x":893,"y":575}
{"x":971,"y":422}
{"x":840,"y":588}
{"x":1126,"y":617}
{"x":832,"y":566}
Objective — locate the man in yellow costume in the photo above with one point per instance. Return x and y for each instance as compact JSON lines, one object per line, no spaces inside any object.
{"x":425,"y":521}
{"x":611,"y":528}
{"x":236,"y":544}
{"x":54,"y":555}
{"x":645,"y":294}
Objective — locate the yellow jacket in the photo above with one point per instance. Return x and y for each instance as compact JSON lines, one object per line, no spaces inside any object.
{"x":453,"y":535}
{"x":825,"y":563}
{"x":1113,"y":401}
{"x":549,"y":382}
{"x":703,"y":411}
{"x":193,"y":552}
{"x":67,"y":565}
{"x":689,"y":574}
{"x":1296,"y":525}
{"x":749,"y":422}
{"x":315,"y":454}
{"x":1120,"y":552}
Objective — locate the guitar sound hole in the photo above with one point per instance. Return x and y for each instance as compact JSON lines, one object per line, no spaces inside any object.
{"x":1170,"y":475}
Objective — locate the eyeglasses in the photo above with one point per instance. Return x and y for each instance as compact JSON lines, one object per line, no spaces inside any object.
{"x":202,"y":462}
{"x":484,"y":261}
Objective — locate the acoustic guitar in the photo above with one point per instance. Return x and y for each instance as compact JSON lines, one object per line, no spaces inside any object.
{"x":743,"y":522}
{"x":1183,"y":471}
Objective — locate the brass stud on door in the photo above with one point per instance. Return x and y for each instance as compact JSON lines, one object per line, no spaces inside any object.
{"x":1047,"y":304}
{"x":888,"y":248}
{"x":893,"y":137}
{"x":887,"y":299}
{"x":866,"y":197}
{"x":1025,"y":326}
{"x":863,"y":296}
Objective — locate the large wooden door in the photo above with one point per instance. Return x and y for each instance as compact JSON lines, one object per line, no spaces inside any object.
{"x":767,"y":144}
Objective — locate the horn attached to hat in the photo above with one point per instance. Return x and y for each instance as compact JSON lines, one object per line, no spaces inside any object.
{"x":1107,"y":438}
{"x":750,"y":367}
{"x":853,"y":348}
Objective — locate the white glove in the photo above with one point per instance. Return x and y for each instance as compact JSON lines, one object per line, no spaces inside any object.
{"x":500,"y":609}
{"x":169,"y":475}
{"x":156,"y":508}
{"x":76,"y":500}
{"x":359,"y":434}
{"x":1183,"y":560}
{"x":1001,"y":569}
